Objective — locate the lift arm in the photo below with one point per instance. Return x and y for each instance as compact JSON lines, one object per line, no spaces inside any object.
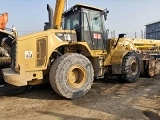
{"x":59,"y":9}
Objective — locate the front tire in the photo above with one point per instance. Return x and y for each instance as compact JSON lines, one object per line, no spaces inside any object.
{"x":130,"y":67}
{"x":71,"y":75}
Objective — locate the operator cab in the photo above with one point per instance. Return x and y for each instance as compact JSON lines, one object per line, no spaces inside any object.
{"x":88,"y":22}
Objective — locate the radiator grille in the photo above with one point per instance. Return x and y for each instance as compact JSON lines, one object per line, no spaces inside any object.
{"x":41,"y":52}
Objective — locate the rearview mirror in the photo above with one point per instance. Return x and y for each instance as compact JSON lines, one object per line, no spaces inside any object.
{"x":105,"y":14}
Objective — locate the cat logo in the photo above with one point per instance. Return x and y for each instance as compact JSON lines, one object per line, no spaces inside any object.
{"x":67,"y":37}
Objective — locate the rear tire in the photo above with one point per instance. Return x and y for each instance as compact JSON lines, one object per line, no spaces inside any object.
{"x":148,"y":66}
{"x":71,"y":75}
{"x":130,"y":67}
{"x":151,"y":68}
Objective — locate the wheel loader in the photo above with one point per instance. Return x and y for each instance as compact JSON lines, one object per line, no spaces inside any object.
{"x":72,"y":50}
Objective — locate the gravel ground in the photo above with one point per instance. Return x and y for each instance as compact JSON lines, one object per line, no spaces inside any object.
{"x":107,"y":99}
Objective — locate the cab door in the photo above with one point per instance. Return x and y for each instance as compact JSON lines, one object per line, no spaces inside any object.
{"x":93,"y":29}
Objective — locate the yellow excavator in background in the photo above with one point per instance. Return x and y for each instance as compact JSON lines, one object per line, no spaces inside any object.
{"x":71,"y":53}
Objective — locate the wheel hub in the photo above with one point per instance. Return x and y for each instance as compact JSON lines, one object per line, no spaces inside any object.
{"x":76,"y":76}
{"x":134,"y":67}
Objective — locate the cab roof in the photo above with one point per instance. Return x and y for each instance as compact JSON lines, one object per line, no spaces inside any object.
{"x":83,"y":6}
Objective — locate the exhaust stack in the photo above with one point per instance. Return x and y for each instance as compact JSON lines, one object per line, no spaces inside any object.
{"x":50,"y":16}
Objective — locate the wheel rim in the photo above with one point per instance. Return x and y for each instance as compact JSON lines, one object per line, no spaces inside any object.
{"x":134,"y":67}
{"x":76,"y":76}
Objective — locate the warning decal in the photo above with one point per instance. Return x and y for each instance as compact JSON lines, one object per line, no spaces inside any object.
{"x":96,"y":36}
{"x":28,"y":54}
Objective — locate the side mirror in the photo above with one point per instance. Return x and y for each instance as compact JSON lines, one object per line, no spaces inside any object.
{"x":105,"y":14}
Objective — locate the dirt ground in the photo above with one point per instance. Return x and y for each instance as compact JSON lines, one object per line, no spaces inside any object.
{"x":107,"y":100}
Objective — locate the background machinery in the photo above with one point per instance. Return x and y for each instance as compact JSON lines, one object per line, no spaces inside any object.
{"x":6,"y":38}
{"x":73,"y":54}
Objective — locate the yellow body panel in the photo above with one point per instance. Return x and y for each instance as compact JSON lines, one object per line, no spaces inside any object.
{"x":22,"y":46}
{"x":118,"y":56}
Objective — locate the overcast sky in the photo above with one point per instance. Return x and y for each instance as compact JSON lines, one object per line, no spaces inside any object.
{"x":126,"y":16}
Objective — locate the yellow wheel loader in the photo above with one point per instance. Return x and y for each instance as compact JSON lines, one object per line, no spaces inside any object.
{"x":73,"y":55}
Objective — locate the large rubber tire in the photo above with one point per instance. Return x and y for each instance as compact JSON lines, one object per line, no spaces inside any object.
{"x":151,"y":68}
{"x":5,"y":61}
{"x":71,"y":75}
{"x":130,"y":67}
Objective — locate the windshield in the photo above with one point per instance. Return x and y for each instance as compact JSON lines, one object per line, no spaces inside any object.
{"x":71,"y":22}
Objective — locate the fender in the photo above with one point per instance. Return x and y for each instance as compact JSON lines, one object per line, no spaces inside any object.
{"x":118,"y":56}
{"x":116,"y":61}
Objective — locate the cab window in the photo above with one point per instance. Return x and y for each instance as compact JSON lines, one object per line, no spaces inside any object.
{"x":71,"y":22}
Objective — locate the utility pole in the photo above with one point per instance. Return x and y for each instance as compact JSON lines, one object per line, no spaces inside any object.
{"x":142,"y":34}
{"x":113,"y":34}
{"x":135,"y":34}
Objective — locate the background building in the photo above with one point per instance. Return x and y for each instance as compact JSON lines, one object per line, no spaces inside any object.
{"x":153,"y":30}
